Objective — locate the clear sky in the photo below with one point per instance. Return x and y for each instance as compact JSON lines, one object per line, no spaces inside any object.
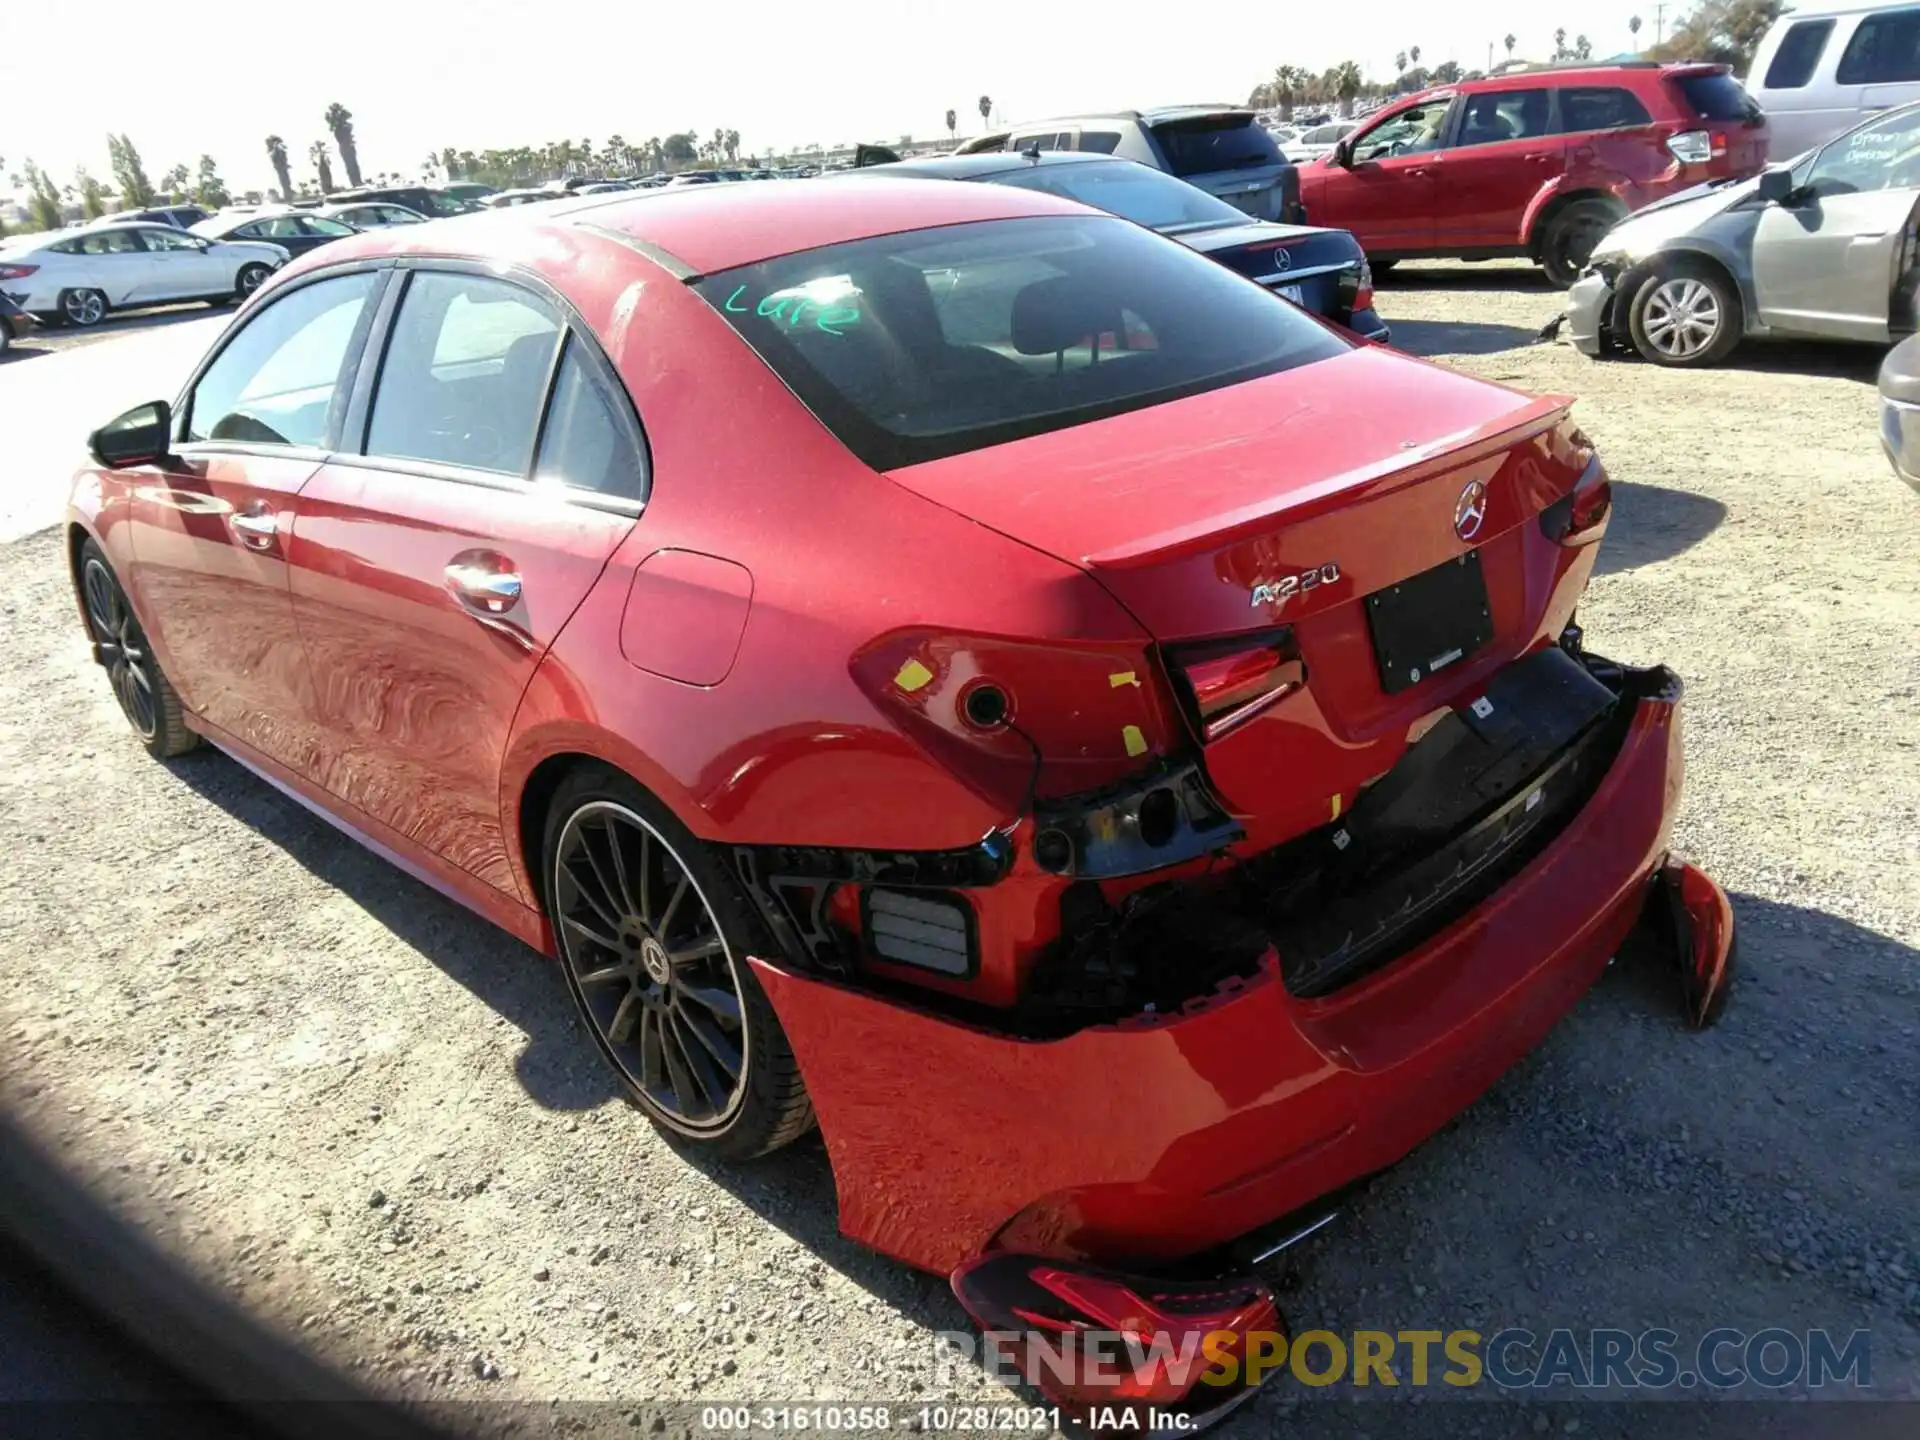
{"x":218,"y":76}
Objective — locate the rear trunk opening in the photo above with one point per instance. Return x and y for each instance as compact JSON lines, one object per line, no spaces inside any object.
{"x":1319,"y":270}
{"x":1230,"y":155}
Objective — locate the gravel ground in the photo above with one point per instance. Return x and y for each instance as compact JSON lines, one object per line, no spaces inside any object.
{"x":368,"y":1116}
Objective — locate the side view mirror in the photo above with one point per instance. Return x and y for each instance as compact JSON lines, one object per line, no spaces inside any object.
{"x":1341,"y":155}
{"x":142,"y":436}
{"x":1776,"y":185}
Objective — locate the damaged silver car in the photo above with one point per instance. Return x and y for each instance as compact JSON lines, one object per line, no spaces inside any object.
{"x":1823,"y":247}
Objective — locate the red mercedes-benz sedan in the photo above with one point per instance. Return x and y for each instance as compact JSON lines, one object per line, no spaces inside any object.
{"x":927,"y":658}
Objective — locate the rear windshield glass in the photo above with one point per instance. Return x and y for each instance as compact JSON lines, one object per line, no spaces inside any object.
{"x":1215,"y":142}
{"x":1133,"y":192}
{"x":930,"y":343}
{"x":1718,"y":97}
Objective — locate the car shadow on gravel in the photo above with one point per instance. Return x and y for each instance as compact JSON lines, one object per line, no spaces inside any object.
{"x":1433,"y":338}
{"x":1652,"y":523}
{"x":1484,"y":279}
{"x":556,"y":1066}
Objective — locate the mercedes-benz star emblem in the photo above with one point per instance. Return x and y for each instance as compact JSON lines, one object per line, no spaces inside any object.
{"x":1282,"y":258}
{"x":653,"y":956}
{"x":1470,"y":510}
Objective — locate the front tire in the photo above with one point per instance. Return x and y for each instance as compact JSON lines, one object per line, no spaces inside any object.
{"x":1685,"y":314}
{"x":84,"y":308}
{"x":653,"y":938}
{"x":250,"y":279}
{"x":146,"y":696}
{"x":1571,"y":235}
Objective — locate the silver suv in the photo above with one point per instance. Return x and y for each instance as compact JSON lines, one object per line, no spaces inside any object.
{"x":1220,"y":148}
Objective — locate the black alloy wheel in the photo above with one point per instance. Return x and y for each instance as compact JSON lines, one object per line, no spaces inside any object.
{"x":651,"y":968}
{"x":146,"y":697}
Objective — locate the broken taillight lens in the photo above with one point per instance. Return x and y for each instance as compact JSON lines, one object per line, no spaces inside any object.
{"x":1228,"y":682}
{"x":1090,"y":1338}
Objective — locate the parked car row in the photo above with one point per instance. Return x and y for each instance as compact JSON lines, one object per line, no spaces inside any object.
{"x":79,"y":278}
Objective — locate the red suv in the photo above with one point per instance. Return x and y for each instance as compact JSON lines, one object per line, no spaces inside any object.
{"x":1538,"y":163}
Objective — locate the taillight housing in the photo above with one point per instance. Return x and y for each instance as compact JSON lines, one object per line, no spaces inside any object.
{"x":1225,"y":683}
{"x":16,"y":272}
{"x":1696,"y":147}
{"x":1580,"y":517}
{"x":1018,"y":720}
{"x":1089,"y":1338}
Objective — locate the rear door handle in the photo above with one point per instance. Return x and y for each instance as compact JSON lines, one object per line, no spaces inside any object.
{"x":486,"y":584}
{"x":257,"y":526}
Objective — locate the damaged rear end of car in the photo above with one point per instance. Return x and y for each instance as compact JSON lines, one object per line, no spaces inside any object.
{"x":1285,"y":879}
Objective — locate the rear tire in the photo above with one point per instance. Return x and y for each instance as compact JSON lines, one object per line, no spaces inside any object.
{"x":84,"y":308}
{"x":1570,"y":237}
{"x":653,"y":937}
{"x":1685,"y":314}
{"x":146,"y":696}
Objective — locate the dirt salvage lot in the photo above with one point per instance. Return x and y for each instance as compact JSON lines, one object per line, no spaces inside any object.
{"x":368,"y":1115}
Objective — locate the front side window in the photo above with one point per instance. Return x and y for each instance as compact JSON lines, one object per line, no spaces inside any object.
{"x":170,"y":240}
{"x":1883,"y":154}
{"x":1800,"y":48}
{"x":281,"y":379}
{"x":1600,"y":107}
{"x":465,"y":374}
{"x":1885,"y":49}
{"x":1134,"y":192}
{"x":1504,"y":115}
{"x":930,"y":343}
{"x":1413,"y":131}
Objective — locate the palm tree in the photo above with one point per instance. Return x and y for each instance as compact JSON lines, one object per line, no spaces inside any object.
{"x":1400,"y":63}
{"x":339,"y":121}
{"x":986,"y":109}
{"x":1510,"y":42}
{"x":1288,"y":83}
{"x":1633,"y":29}
{"x":953,"y":127}
{"x":317,"y":152}
{"x":1346,"y":85}
{"x":1414,"y":55}
{"x":1559,"y":42}
{"x":277,"y":153}
{"x":733,"y":145}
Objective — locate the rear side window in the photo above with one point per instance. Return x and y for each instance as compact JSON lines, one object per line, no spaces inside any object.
{"x":1718,"y":97}
{"x":1049,"y":140}
{"x":583,"y":445}
{"x":1504,"y":115}
{"x":929,"y":343}
{"x":1885,"y":48}
{"x":1215,"y":142}
{"x":1099,"y":142}
{"x":1600,"y":107}
{"x":1793,"y":63}
{"x":465,"y":374}
{"x":279,"y":380}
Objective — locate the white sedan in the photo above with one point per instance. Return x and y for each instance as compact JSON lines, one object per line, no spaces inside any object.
{"x":77,"y":278}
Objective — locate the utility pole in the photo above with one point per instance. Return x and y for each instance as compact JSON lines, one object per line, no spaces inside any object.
{"x":1659,"y":23}
{"x":1489,"y":57}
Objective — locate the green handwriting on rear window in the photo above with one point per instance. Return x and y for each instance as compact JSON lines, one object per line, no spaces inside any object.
{"x":794,"y":309}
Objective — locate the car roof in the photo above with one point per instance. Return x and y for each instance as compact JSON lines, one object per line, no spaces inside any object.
{"x":1154,"y":116}
{"x":700,"y":229}
{"x":987,"y":162}
{"x":1578,"y":72}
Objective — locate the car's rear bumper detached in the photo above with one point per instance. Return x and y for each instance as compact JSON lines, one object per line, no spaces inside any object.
{"x":1166,"y":1135}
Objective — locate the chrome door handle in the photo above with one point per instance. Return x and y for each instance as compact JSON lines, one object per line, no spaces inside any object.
{"x":256,"y":527}
{"x":492,"y":592}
